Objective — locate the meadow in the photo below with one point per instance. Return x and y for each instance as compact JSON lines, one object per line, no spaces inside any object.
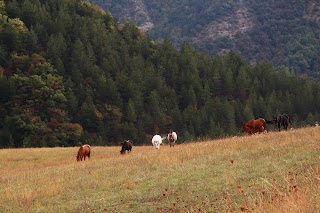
{"x":271,"y":172}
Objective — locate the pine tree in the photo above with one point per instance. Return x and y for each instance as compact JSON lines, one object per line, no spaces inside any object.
{"x":131,"y":112}
{"x":57,"y":51}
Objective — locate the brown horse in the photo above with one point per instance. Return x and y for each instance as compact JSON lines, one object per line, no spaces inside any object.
{"x":254,"y":126}
{"x":83,"y":152}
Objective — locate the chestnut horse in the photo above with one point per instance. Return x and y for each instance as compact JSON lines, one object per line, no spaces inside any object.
{"x":83,"y":152}
{"x":254,"y":126}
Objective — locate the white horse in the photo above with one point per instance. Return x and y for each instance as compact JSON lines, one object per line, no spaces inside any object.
{"x":157,"y":140}
{"x":172,"y":138}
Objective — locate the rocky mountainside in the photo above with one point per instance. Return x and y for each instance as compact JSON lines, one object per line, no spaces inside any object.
{"x":284,"y":32}
{"x":240,"y":21}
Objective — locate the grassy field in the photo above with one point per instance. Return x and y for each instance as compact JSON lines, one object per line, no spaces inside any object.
{"x":273,"y":172}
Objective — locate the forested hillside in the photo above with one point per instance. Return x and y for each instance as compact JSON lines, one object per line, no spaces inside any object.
{"x":283,"y":32}
{"x":70,"y":74}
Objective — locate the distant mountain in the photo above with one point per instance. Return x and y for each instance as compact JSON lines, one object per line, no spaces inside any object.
{"x":284,"y":32}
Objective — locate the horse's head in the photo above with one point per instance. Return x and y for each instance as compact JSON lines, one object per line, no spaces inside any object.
{"x":170,"y":136}
{"x":157,"y":144}
{"x":275,"y":119}
{"x":129,"y":141}
{"x":279,"y":118}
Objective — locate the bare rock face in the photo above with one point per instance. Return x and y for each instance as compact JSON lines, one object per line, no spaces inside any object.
{"x":239,"y":22}
{"x":313,"y":11}
{"x":136,"y":10}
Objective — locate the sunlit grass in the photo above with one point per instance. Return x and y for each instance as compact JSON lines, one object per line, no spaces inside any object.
{"x":273,"y":172}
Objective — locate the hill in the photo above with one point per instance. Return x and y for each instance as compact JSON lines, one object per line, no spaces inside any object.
{"x":70,"y":73}
{"x":281,"y":32}
{"x":273,"y":172}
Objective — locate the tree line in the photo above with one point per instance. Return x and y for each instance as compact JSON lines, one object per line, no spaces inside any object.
{"x":70,"y":73}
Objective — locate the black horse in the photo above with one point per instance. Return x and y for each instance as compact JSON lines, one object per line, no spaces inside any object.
{"x":282,"y":120}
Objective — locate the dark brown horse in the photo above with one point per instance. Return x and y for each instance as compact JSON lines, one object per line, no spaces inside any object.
{"x":254,"y":126}
{"x":83,"y":152}
{"x":282,"y":120}
{"x":126,"y":146}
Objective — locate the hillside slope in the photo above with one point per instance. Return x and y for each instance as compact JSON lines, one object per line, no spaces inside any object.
{"x":282,"y":32}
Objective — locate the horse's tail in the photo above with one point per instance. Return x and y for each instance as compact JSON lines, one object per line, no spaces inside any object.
{"x":288,"y":118}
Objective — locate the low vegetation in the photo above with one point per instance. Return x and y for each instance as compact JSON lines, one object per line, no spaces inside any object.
{"x":277,"y":172}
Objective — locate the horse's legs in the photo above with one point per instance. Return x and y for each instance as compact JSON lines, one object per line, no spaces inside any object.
{"x":286,"y":125}
{"x":262,"y":129}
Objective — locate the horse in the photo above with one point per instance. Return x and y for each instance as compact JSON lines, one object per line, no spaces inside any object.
{"x":282,"y":120}
{"x":172,"y":137}
{"x":157,"y":140}
{"x":126,"y":146}
{"x":254,"y":126}
{"x":83,"y":152}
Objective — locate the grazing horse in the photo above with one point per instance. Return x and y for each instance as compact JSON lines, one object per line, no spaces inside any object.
{"x":126,"y":146}
{"x":172,"y":137}
{"x":83,"y":152}
{"x":254,"y":126}
{"x":282,"y":120}
{"x":157,"y":140}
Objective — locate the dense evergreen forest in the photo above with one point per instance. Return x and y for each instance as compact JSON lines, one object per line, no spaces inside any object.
{"x":283,"y":32}
{"x":70,"y":73}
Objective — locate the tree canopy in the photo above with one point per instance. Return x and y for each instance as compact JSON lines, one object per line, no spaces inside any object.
{"x":71,"y":73}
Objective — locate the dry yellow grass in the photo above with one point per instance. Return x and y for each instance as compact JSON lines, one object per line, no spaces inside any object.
{"x":273,"y":172}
